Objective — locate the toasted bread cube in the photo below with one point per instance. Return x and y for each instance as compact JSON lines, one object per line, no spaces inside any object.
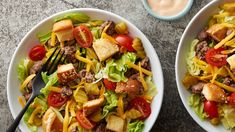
{"x":231,"y":61}
{"x":213,"y":92}
{"x":217,"y":32}
{"x":93,"y":103}
{"x":104,"y":48}
{"x":66,"y":73}
{"x":63,"y":30}
{"x":91,"y":106}
{"x":115,"y":123}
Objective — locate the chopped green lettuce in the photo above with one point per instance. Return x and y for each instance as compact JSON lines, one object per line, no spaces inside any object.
{"x":43,"y":38}
{"x":95,"y":32}
{"x":136,"y":126}
{"x":77,"y":17}
{"x":23,"y":69}
{"x":115,"y":69}
{"x":45,"y":78}
{"x":26,"y":117}
{"x":152,"y":90}
{"x":50,"y":81}
{"x":193,"y":69}
{"x":41,"y":102}
{"x":111,"y":102}
{"x":228,"y":116}
{"x":196,"y":103}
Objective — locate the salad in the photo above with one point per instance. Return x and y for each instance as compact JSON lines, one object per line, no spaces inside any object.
{"x":211,"y":69}
{"x":105,"y":82}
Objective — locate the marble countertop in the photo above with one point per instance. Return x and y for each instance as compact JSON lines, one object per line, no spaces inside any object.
{"x":17,"y":17}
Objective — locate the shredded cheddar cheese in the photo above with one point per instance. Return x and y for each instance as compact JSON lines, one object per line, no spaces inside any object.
{"x":142,"y":79}
{"x":26,"y":81}
{"x":230,"y":73}
{"x":62,"y":44}
{"x":54,"y":89}
{"x":120,"y":109}
{"x":77,"y":56}
{"x":53,"y":38}
{"x":34,"y":113}
{"x":226,"y":87}
{"x":147,"y":72}
{"x":222,"y":42}
{"x":22,"y":101}
{"x":66,"y":117}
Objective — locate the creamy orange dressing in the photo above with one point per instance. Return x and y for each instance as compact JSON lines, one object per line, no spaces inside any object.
{"x":167,"y":7}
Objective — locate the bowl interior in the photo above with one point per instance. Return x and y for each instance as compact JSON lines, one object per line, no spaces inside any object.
{"x":46,"y":25}
{"x":199,"y":21}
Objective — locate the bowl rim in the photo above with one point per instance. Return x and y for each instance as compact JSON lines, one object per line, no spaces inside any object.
{"x":168,"y":18}
{"x":188,"y":108}
{"x":160,"y":74}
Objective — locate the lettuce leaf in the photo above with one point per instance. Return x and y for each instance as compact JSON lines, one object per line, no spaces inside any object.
{"x":228,"y":116}
{"x":43,"y":38}
{"x":77,"y":17}
{"x":111,"y":102}
{"x":196,"y":103}
{"x":193,"y":69}
{"x":115,"y":69}
{"x":23,"y":69}
{"x":50,"y":81}
{"x":135,"y":126}
{"x":41,"y":102}
{"x":152,"y":90}
{"x":26,"y":117}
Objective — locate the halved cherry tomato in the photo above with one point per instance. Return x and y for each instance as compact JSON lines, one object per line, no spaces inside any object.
{"x":83,"y":36}
{"x":37,"y":53}
{"x":109,"y":85}
{"x":55,"y":99}
{"x":141,"y":105}
{"x":215,"y":58}
{"x":125,"y":40}
{"x":83,"y":121}
{"x":210,"y":107}
{"x":231,"y":100}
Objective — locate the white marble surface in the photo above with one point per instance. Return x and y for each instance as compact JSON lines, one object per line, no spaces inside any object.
{"x":17,"y":17}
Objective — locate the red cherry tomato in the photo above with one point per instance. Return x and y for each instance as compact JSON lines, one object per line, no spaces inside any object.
{"x":109,"y":85}
{"x":215,"y":58}
{"x":83,"y":36}
{"x":125,"y":40}
{"x":37,"y":53}
{"x":55,"y":99}
{"x":83,"y":121}
{"x":231,"y":100}
{"x":210,"y":107}
{"x":141,"y":105}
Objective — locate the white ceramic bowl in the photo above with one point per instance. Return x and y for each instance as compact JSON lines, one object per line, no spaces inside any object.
{"x":198,"y":22}
{"x":30,"y":40}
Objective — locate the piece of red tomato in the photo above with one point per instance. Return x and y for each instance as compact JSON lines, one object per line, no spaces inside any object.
{"x":83,"y":121}
{"x":109,"y":85}
{"x":141,"y":105}
{"x":231,"y":100}
{"x":55,"y":99}
{"x":83,"y":36}
{"x":211,"y":109}
{"x":37,"y":53}
{"x":125,"y":40}
{"x":215,"y":58}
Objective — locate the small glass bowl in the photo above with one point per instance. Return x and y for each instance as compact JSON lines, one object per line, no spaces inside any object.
{"x":168,"y":18}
